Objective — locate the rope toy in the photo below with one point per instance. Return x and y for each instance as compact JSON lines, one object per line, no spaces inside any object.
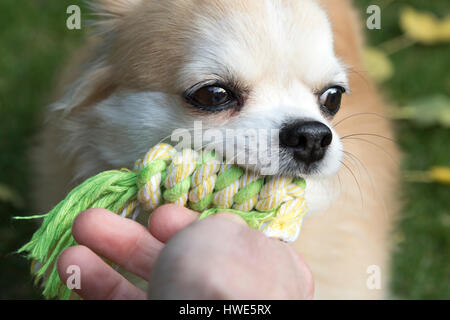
{"x":274,"y":205}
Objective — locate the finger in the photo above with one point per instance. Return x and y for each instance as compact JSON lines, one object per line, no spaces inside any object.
{"x":231,"y":217}
{"x":120,"y":240}
{"x":98,"y":281}
{"x":167,"y":220}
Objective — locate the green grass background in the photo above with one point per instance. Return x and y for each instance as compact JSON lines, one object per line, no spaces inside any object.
{"x":34,"y":44}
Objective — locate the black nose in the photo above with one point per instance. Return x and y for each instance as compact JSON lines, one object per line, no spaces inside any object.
{"x":308,"y":139}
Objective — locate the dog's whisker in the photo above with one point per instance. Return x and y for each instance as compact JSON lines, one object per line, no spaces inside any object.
{"x":359,"y":163}
{"x":353,"y":162}
{"x":359,"y":73}
{"x":360,"y":115}
{"x":347,"y":155}
{"x":375,"y":145}
{"x":368,"y":134}
{"x":357,"y":183}
{"x":338,"y":178}
{"x":340,"y":182}
{"x":372,"y":182}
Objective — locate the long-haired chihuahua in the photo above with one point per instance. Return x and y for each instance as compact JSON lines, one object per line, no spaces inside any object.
{"x":292,"y":67}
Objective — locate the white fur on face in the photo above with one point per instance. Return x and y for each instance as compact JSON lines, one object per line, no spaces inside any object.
{"x":283,"y":55}
{"x":285,"y":58}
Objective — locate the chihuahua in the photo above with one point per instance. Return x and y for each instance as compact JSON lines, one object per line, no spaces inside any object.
{"x":292,"y":67}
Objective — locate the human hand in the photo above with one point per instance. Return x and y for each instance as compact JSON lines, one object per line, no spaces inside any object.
{"x":216,"y":258}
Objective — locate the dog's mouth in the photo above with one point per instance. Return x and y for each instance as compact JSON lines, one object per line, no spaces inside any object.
{"x":267,"y":155}
{"x":281,"y":164}
{"x":292,"y":167}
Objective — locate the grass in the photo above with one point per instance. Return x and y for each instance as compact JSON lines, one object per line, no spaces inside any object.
{"x":421,"y":262}
{"x":34,"y":43}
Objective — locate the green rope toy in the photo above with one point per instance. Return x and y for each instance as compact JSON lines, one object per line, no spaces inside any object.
{"x":274,"y":205}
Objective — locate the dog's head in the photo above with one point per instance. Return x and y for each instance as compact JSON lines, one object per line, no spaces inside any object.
{"x":239,"y":67}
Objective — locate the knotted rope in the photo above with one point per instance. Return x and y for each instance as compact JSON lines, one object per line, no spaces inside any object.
{"x":274,"y":205}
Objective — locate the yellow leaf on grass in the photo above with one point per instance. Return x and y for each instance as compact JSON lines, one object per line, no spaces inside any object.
{"x":440,"y":174}
{"x":424,"y":27}
{"x":378,"y":65}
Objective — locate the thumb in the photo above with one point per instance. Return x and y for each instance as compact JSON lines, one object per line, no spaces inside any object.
{"x":169,"y":219}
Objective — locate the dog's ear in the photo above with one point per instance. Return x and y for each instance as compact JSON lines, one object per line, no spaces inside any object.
{"x":108,"y":13}
{"x":91,"y":86}
{"x":113,"y":7}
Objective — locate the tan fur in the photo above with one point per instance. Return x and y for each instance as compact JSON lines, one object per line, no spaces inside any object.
{"x":339,"y":244}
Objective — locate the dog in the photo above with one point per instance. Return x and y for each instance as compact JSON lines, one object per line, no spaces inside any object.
{"x":154,"y":66}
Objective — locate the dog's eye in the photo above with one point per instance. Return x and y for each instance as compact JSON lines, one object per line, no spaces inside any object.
{"x":330,"y":100}
{"x":212,"y":98}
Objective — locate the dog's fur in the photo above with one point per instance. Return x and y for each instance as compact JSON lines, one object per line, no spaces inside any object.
{"x":123,"y":95}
